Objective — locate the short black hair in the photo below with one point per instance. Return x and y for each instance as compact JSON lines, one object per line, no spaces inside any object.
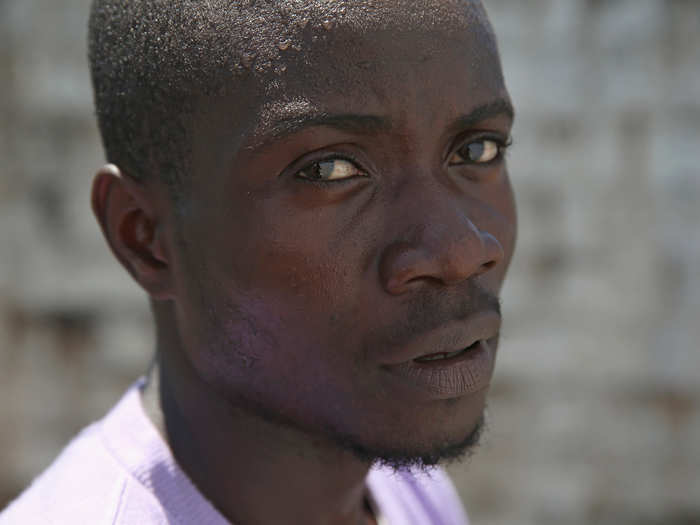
{"x":152,"y":60}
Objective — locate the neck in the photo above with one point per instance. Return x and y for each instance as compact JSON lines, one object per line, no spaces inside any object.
{"x":254,"y":471}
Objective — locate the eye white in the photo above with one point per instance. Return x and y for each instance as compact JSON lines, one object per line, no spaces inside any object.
{"x":477,"y":152}
{"x":489,"y":151}
{"x":335,"y":169}
{"x":331,"y":169}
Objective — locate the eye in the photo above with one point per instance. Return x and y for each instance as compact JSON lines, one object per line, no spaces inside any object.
{"x":331,"y":170}
{"x":481,"y":151}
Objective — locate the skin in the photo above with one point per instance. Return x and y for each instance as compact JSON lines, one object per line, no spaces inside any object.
{"x":281,"y":302}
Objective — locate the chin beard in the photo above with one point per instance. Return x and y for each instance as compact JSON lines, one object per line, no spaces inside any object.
{"x":407,"y":458}
{"x":401,"y":457}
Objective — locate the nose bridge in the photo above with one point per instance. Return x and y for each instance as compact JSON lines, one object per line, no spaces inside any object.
{"x":437,"y":239}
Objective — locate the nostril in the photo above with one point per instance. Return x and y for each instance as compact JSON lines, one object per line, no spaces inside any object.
{"x":487,"y":266}
{"x":442,"y":256}
{"x":493,"y":252}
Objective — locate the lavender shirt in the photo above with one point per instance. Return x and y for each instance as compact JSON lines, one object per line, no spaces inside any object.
{"x":120,"y":471}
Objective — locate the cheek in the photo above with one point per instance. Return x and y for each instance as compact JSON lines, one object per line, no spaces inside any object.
{"x":510,"y":217}
{"x":307,"y":257}
{"x":280,"y":299}
{"x":277,"y":351}
{"x":502,"y":218}
{"x":497,"y":216}
{"x":272,"y":260}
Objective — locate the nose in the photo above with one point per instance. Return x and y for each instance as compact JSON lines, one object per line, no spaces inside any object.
{"x":444,"y":247}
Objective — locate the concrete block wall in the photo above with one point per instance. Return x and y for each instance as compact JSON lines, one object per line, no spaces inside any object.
{"x":595,"y":410}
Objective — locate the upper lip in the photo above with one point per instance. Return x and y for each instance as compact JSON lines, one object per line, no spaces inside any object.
{"x":450,"y":337}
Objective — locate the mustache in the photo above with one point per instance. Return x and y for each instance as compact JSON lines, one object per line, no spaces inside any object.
{"x":433,"y":308}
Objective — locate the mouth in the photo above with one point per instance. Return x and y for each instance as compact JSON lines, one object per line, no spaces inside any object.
{"x":453,"y":361}
{"x":445,"y":358}
{"x":445,"y":375}
{"x":453,"y":341}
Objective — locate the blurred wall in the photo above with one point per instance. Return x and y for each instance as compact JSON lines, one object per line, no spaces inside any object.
{"x":595,"y":410}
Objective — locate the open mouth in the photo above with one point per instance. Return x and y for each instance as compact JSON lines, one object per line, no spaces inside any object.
{"x":443,"y":356}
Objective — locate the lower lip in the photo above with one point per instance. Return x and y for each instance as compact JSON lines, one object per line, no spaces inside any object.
{"x":463,"y":374}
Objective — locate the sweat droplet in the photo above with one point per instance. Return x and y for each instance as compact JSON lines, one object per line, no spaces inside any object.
{"x":327,"y":25}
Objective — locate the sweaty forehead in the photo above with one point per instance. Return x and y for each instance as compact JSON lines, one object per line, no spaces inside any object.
{"x":369,"y":15}
{"x":307,"y":57}
{"x":284,"y":52}
{"x":256,"y":36}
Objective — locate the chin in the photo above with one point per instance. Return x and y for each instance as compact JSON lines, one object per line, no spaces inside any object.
{"x":422,"y":455}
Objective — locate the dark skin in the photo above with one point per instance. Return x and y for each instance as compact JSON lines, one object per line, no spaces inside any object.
{"x":282,"y":302}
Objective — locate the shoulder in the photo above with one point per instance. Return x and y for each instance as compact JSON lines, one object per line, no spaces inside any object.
{"x":82,"y":482}
{"x":86,"y":483}
{"x":416,"y":496}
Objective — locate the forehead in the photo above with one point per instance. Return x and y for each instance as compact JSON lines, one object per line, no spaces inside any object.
{"x":403,"y":59}
{"x":336,"y":37}
{"x":403,"y":77}
{"x":324,"y":56}
{"x":261,"y":31}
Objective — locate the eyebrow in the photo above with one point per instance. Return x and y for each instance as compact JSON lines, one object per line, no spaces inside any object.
{"x":492,"y":109}
{"x":373,"y":124}
{"x":351,"y":122}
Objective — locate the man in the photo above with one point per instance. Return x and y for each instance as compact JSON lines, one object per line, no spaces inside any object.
{"x":314,"y":196}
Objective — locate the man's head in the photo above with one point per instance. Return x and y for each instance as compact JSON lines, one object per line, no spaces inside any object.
{"x":344,"y":219}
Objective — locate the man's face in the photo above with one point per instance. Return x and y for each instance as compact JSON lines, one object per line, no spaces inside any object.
{"x":362,"y":219}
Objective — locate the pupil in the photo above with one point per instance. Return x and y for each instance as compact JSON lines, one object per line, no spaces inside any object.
{"x":476,"y":150}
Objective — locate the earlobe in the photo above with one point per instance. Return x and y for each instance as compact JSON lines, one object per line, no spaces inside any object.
{"x":129,"y":220}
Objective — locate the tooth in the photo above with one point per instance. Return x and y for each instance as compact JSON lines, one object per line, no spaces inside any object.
{"x":433,"y":357}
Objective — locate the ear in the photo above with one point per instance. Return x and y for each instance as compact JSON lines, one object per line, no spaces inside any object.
{"x":127,"y":213}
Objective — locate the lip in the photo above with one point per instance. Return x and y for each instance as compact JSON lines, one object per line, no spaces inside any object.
{"x":463,"y":374}
{"x":450,"y":337}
